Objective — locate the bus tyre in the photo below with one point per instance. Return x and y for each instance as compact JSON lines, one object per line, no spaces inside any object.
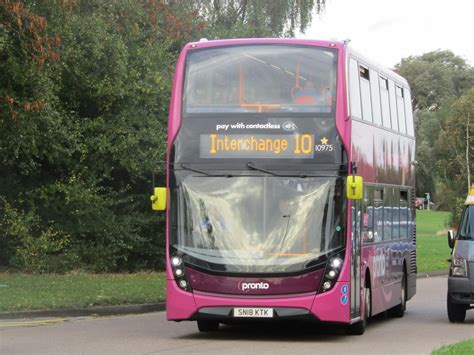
{"x":359,"y":327}
{"x":399,"y":311}
{"x":208,"y":325}
{"x":456,"y":312}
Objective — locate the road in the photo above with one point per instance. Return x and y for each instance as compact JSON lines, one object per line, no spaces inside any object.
{"x":424,"y":327}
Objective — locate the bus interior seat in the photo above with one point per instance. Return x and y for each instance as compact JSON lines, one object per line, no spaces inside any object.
{"x":305,"y":100}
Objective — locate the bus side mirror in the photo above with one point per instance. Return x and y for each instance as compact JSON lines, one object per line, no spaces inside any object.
{"x":355,"y":187}
{"x":158,"y":199}
{"x":451,"y":239}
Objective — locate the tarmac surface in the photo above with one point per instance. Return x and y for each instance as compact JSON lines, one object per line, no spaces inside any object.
{"x":424,"y":328}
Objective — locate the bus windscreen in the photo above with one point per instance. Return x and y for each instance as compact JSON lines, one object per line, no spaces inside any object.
{"x":257,"y":224}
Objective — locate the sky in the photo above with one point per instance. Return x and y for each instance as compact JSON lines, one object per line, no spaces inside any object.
{"x":388,"y":30}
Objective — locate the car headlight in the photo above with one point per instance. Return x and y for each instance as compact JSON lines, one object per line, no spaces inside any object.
{"x":459,"y":267}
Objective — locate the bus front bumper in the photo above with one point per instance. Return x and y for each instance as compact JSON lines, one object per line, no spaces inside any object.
{"x":325,"y":307}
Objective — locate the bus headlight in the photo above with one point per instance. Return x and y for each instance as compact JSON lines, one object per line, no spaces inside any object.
{"x":335,"y":262}
{"x":333,"y":268}
{"x":459,"y":267}
{"x":177,"y":265}
{"x":176,"y":261}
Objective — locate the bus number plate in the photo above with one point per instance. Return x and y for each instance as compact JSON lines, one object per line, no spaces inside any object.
{"x":253,"y":312}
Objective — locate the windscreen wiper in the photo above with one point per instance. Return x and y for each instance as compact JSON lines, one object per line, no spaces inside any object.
{"x":251,"y":166}
{"x":185,"y":167}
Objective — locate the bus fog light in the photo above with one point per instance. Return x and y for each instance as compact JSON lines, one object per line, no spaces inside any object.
{"x":178,"y":272}
{"x":176,"y":261}
{"x":331,"y":274}
{"x":183,"y":284}
{"x":336,"y":262}
{"x":327,"y":285}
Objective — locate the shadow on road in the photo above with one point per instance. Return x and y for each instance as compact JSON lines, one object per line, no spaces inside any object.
{"x":285,"y":331}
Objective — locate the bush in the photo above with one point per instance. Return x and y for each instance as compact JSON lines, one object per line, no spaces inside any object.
{"x":50,"y":252}
{"x":24,"y":245}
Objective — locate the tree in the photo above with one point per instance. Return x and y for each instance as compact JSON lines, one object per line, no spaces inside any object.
{"x":253,"y":18}
{"x":454,"y":152}
{"x":436,"y":79}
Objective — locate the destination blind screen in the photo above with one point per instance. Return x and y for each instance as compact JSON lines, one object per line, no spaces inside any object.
{"x":298,"y":146}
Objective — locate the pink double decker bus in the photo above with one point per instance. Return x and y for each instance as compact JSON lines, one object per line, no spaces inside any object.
{"x":290,"y":185}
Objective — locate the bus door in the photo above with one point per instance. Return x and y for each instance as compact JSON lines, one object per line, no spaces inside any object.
{"x":355,"y":258}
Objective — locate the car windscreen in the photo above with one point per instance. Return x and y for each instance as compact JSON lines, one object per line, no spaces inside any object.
{"x":466,"y":230}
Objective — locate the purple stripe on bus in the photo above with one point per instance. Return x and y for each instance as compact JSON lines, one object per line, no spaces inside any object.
{"x":254,"y":285}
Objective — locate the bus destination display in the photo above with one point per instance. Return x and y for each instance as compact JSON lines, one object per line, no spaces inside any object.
{"x":296,"y":146}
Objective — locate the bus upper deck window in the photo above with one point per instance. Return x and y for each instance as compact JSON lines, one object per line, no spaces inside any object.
{"x":263,"y":78}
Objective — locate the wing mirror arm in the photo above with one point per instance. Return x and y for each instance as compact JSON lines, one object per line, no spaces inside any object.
{"x":159,"y":197}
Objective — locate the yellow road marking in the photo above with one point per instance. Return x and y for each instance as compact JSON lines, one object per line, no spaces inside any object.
{"x":61,"y":320}
{"x":32,"y":322}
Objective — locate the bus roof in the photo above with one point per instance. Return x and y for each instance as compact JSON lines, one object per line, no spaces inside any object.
{"x":203,"y":43}
{"x":470,"y":197}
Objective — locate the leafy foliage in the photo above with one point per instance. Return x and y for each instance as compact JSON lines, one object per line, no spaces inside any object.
{"x":76,"y":169}
{"x":442,"y":85}
{"x":435,"y":77}
{"x":253,"y":18}
{"x":454,"y":150}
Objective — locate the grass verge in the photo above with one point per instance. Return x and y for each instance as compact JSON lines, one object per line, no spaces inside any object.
{"x":432,"y":223}
{"x":432,"y":242}
{"x":463,"y":347}
{"x":26,"y":292}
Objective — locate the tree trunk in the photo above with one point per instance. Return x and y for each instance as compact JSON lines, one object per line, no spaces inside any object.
{"x":243,"y":12}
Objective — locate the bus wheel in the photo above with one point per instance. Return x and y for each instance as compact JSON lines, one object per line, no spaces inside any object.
{"x":359,"y":327}
{"x":456,"y":312}
{"x":399,"y":311}
{"x":206,"y":325}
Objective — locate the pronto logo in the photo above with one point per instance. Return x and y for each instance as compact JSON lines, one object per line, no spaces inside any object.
{"x":245,"y":286}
